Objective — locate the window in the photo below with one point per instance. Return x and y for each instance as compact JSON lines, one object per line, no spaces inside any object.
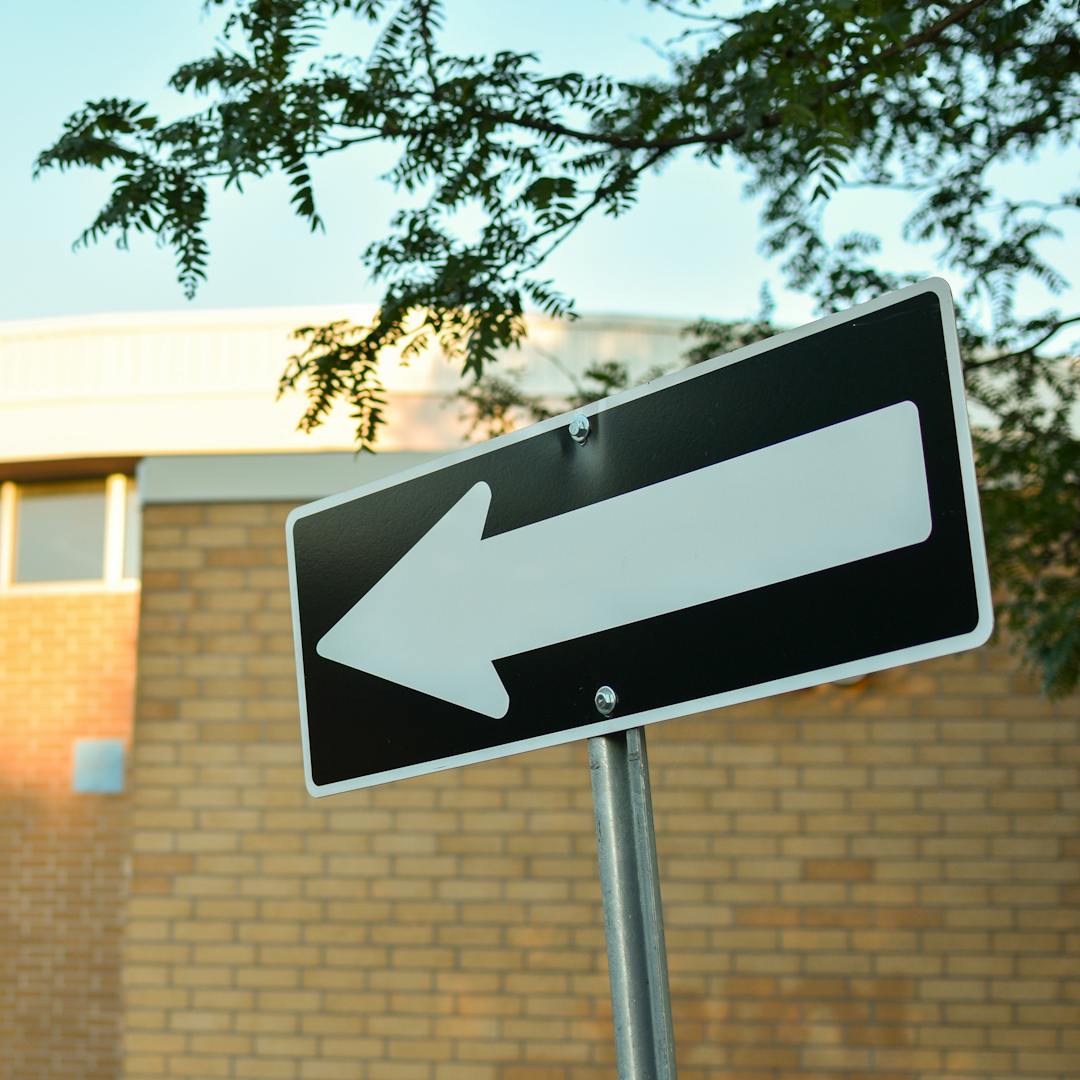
{"x":79,"y":532}
{"x":132,"y":533}
{"x":60,"y":532}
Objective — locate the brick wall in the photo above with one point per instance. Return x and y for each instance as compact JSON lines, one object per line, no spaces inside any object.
{"x":67,"y":666}
{"x":881,"y":880}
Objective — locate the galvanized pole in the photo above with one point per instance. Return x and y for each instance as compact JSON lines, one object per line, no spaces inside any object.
{"x":633,"y":916}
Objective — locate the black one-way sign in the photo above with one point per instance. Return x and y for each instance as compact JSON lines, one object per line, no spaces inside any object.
{"x":800,"y":511}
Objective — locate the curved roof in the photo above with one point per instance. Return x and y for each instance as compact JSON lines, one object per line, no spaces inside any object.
{"x":136,"y":384}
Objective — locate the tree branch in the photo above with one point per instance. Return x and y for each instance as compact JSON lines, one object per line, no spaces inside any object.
{"x":994,"y":360}
{"x":728,"y":134}
{"x":569,"y":226}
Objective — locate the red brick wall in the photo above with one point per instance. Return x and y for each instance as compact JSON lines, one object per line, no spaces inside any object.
{"x":67,"y":666}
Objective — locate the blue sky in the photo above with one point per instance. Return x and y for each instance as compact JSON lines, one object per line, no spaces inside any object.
{"x":689,"y":248}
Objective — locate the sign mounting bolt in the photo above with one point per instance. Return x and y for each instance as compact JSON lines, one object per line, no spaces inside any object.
{"x":605,"y":700}
{"x":579,"y":428}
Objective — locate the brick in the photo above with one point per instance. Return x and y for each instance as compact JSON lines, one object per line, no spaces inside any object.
{"x":870,"y":881}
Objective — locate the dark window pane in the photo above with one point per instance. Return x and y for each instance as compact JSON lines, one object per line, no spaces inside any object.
{"x":132,"y":533}
{"x":60,"y":532}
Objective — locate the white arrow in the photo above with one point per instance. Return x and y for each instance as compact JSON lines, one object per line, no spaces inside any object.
{"x":455,"y":602}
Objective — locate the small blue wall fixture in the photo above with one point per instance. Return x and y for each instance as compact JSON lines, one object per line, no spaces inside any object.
{"x":98,"y":767}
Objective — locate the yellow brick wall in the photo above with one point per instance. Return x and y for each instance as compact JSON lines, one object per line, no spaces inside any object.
{"x":875,"y":881}
{"x":67,"y":671}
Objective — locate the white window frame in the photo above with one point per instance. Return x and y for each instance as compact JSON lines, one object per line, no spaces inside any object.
{"x":112,"y":579}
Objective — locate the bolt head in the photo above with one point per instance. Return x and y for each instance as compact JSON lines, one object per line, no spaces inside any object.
{"x":579,"y":428}
{"x":605,"y":700}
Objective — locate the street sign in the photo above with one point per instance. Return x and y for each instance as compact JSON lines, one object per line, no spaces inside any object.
{"x":799,"y":511}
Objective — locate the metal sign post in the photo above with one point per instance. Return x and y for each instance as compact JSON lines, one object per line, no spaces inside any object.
{"x":633,"y":915}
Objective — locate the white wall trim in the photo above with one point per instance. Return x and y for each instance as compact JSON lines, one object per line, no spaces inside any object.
{"x":7,"y":533}
{"x":115,"y":515}
{"x":203,"y":478}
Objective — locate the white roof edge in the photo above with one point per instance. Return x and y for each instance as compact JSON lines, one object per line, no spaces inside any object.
{"x":296,"y":477}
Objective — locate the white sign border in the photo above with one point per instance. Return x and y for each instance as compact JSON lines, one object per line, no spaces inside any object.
{"x":864,"y":666}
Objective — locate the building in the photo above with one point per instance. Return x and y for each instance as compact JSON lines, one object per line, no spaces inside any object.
{"x":873,"y":880}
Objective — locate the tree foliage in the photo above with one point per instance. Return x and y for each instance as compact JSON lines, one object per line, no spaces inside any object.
{"x":810,"y":98}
